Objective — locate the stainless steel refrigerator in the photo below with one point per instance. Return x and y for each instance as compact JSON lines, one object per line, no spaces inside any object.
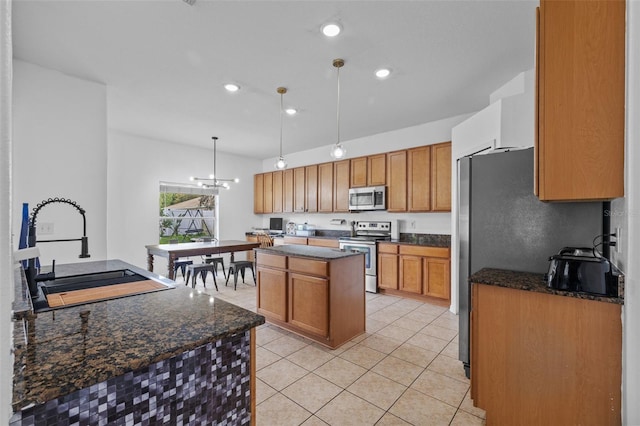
{"x":502,"y":224}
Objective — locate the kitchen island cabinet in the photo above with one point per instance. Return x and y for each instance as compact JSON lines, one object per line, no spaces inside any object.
{"x":316,"y":292}
{"x":540,"y":356}
{"x":159,"y":358}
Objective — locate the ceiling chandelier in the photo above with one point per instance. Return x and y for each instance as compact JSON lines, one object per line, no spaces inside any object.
{"x":338,"y":151}
{"x":280,"y":163}
{"x":213,"y":181}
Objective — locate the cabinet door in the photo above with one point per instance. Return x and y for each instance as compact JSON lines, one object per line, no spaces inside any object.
{"x":377,"y":170}
{"x":411,"y":274}
{"x":311,"y":188}
{"x":419,"y":185}
{"x":309,"y":303}
{"x":298,"y":190}
{"x":272,"y":293}
{"x":325,"y":187}
{"x":388,"y":271}
{"x":441,"y":177}
{"x":358,"y":172}
{"x":258,"y":193}
{"x":268,"y":193}
{"x":581,"y":100}
{"x":397,"y":181}
{"x":277,"y":191}
{"x":436,"y":278}
{"x":287,"y":191}
{"x":341,"y":178}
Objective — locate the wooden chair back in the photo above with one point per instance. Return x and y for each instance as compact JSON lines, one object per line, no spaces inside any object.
{"x":265,"y":240}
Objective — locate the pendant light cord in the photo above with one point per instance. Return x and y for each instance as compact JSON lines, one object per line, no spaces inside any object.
{"x":215,"y":175}
{"x":281,"y":107}
{"x":338,"y":109}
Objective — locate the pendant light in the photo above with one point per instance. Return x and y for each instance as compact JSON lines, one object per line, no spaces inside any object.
{"x":213,"y":181}
{"x":280,"y":163}
{"x":338,"y":151}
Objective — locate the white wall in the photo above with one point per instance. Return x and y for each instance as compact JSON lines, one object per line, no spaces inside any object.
{"x":631,"y":317}
{"x":60,"y":150}
{"x":6,"y":244}
{"x":410,"y":137}
{"x":136,"y":165}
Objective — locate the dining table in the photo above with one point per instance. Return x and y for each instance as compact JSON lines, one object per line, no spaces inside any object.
{"x":199,"y":248}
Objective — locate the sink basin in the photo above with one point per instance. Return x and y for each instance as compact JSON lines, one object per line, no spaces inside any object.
{"x":88,"y":288}
{"x":81,"y":282}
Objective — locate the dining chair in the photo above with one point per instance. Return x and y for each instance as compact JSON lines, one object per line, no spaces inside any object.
{"x":215,"y":261}
{"x":178,"y":264}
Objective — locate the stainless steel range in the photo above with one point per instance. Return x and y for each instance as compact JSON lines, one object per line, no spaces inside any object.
{"x":367,"y":234}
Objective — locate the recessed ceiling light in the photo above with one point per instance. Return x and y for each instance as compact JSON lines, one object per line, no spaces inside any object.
{"x":231,"y":87}
{"x":383,"y":73}
{"x":291,"y":111}
{"x":331,"y":30}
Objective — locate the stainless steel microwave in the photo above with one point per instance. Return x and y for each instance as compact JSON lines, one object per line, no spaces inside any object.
{"x":368,"y":198}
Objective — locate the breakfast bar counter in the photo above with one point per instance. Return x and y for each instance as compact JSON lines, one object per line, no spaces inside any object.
{"x":162,"y":356}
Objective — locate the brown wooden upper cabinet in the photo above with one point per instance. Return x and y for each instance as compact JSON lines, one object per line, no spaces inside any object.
{"x":325,"y":187}
{"x":397,"y":181}
{"x":288,"y":191}
{"x":417,"y":180}
{"x":277,"y":191}
{"x":299,"y":194}
{"x":311,"y":188}
{"x":580,"y":72}
{"x":441,"y":177}
{"x":369,"y":171}
{"x":263,"y":193}
{"x":419,"y":174}
{"x":341,"y":173}
{"x":258,"y":193}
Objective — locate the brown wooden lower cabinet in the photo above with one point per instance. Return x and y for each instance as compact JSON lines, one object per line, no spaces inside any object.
{"x":414,"y":270}
{"x":323,"y":300}
{"x":545,"y":359}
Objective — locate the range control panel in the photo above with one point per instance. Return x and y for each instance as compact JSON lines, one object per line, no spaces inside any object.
{"x":374,"y":226}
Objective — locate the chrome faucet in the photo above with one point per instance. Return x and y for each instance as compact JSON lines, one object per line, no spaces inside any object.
{"x":32,"y":276}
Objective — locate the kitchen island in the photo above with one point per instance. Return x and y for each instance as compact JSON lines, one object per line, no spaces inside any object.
{"x":169,"y":357}
{"x":316,"y":292}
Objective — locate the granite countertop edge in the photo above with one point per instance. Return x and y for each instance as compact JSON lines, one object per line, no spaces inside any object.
{"x":531,"y":281}
{"x":309,"y":252}
{"x":423,"y":240}
{"x":122,"y":335}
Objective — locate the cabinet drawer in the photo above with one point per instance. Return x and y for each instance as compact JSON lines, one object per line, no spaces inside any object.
{"x":309,"y":266}
{"x":295,"y":240}
{"x":425,"y":251}
{"x":387,"y":248}
{"x":323,"y":242}
{"x":272,"y":260}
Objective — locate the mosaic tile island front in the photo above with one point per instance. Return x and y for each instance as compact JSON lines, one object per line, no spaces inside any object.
{"x":176,"y":356}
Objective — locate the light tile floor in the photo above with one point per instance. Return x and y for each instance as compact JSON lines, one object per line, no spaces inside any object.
{"x":403,"y":371}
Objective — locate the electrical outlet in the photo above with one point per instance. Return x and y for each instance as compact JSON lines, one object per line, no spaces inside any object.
{"x":45,"y":228}
{"x":413,"y":224}
{"x":618,"y":240}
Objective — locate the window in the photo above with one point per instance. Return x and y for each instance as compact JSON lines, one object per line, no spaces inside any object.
{"x":186,"y":212}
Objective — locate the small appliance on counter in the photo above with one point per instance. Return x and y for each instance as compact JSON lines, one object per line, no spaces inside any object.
{"x":305,"y":230}
{"x":276,"y":225}
{"x":291,"y":228}
{"x":582,"y":270}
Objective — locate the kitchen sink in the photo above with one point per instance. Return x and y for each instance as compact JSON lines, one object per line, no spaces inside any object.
{"x":62,"y":289}
{"x":84,"y":281}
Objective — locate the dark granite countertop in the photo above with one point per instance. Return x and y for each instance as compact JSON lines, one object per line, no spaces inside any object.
{"x":429,"y":240}
{"x":311,"y":252}
{"x":530,"y":281}
{"x":64,"y":350}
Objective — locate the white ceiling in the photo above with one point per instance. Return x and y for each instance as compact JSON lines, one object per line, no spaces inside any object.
{"x":165,"y":63}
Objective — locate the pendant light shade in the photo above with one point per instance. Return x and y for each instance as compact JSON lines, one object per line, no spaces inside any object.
{"x":338,"y":151}
{"x":213,"y":181}
{"x":280,"y":163}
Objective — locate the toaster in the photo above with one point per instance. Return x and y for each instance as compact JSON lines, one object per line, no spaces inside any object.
{"x":582,"y":270}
